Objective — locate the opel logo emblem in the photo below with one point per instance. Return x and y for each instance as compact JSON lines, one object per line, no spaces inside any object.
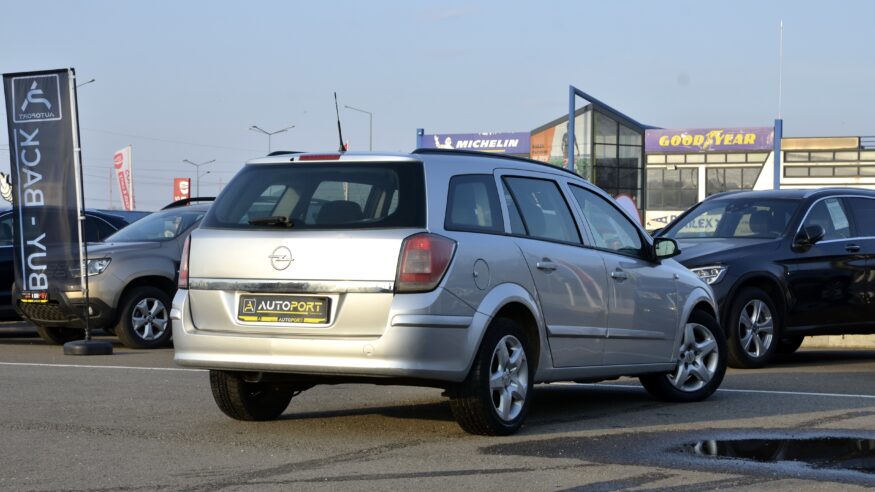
{"x":281,"y":258}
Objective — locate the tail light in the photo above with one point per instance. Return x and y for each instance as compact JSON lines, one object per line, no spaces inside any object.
{"x":423,"y":263}
{"x":183,"y":265}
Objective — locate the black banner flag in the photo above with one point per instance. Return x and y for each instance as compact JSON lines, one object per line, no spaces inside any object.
{"x":47,"y":200}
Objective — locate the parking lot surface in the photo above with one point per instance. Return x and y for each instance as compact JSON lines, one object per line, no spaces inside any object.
{"x":134,"y":421}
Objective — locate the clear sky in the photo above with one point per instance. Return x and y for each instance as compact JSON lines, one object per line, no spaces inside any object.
{"x":185,"y":80}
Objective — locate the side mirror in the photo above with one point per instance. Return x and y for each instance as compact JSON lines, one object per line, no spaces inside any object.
{"x":665,"y":247}
{"x":809,"y":235}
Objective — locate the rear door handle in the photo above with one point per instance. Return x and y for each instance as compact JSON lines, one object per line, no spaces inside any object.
{"x":852,"y":248}
{"x":619,"y":275}
{"x":546,"y":265}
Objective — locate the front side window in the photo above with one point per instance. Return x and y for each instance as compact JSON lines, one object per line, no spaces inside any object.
{"x":610,"y":228}
{"x":736,"y":218}
{"x":830,"y":214}
{"x":544,"y":213}
{"x":472,"y":204}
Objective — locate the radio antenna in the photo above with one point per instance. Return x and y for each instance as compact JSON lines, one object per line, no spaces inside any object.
{"x":339,"y":130}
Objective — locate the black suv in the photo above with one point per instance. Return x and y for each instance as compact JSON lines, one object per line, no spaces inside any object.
{"x":783,"y":264}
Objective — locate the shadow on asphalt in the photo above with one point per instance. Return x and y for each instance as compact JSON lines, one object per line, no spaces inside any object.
{"x":832,"y":357}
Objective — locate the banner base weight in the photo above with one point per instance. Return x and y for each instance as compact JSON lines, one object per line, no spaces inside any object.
{"x":87,"y":347}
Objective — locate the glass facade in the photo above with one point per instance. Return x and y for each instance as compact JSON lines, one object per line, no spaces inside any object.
{"x":618,"y":156}
{"x":608,"y":150}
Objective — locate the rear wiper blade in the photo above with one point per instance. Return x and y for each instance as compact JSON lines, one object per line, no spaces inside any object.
{"x":274,"y":220}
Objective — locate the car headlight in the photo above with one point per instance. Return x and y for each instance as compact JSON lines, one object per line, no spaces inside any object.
{"x":711,"y":274}
{"x":97,"y":266}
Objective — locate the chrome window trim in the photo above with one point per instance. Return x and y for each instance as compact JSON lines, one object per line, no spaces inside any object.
{"x":807,"y":212}
{"x":293,"y":286}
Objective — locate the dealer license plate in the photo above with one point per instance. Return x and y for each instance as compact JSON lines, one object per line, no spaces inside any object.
{"x":284,"y":309}
{"x":35,"y":297}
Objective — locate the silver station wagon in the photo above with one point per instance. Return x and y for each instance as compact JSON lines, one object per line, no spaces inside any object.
{"x":476,"y":273}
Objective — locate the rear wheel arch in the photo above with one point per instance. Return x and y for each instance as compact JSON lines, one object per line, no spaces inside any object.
{"x":520,"y":313}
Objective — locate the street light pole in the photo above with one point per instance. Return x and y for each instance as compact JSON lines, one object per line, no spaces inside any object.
{"x":197,"y":174}
{"x":370,"y":125}
{"x":85,"y":83}
{"x":258,"y":129}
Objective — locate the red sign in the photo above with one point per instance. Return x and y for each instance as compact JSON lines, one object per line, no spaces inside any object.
{"x":121,"y":161}
{"x":181,"y":188}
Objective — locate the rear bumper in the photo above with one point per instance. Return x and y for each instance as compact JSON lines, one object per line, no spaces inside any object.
{"x":414,"y":345}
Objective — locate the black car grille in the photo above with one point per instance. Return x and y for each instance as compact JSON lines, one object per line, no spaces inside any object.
{"x":50,"y":311}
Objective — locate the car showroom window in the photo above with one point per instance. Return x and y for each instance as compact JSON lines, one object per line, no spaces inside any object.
{"x":610,"y":228}
{"x":830,"y":214}
{"x":545,"y":213}
{"x":472,"y":204}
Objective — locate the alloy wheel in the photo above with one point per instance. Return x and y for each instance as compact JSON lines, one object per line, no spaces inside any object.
{"x":149,"y":319}
{"x":756,"y":328}
{"x":508,"y":378}
{"x":698,"y":357}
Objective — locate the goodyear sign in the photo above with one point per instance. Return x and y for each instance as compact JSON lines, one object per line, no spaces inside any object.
{"x":709,"y":139}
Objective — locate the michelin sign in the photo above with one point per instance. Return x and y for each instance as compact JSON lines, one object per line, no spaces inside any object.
{"x":506,"y":142}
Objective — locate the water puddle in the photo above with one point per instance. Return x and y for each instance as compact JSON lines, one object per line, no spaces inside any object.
{"x":821,"y":452}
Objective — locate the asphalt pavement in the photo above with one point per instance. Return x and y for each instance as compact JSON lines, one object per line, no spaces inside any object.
{"x":134,"y":421}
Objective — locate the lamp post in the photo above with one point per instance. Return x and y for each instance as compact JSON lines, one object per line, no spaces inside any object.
{"x":197,"y":173}
{"x":258,"y":129}
{"x":370,"y":125}
{"x":85,"y":83}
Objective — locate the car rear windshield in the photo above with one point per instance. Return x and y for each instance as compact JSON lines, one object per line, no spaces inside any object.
{"x":736,"y":218}
{"x":322,"y":196}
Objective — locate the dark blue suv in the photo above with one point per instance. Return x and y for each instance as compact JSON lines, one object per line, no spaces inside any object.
{"x":783,"y":264}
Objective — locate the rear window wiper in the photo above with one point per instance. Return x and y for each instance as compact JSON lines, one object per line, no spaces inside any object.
{"x":274,"y":220}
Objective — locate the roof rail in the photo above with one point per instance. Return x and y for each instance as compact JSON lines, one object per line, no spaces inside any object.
{"x":285,"y":152}
{"x":188,"y":201}
{"x":486,"y":154}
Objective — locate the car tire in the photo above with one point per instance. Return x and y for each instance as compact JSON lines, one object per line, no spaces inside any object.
{"x":494,"y":399}
{"x":242,"y":400}
{"x":144,"y":319}
{"x":54,"y":335}
{"x":752,"y":329}
{"x":701,"y":363}
{"x":789,"y":345}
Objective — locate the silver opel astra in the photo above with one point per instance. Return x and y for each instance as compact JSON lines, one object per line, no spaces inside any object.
{"x":476,"y":273}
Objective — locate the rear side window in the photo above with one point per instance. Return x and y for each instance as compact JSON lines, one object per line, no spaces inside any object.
{"x":544,"y":212}
{"x":323,"y":196}
{"x":863,"y":210}
{"x":472,"y":204}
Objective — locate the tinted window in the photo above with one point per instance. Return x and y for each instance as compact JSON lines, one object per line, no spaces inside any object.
{"x":160,"y":226}
{"x":829,"y":214}
{"x":544,"y":212}
{"x":472,"y":204}
{"x":735,"y":218}
{"x":6,"y":234}
{"x":863,"y":210}
{"x":97,"y":230}
{"x":610,"y":228}
{"x":513,"y":213}
{"x":323,"y":196}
